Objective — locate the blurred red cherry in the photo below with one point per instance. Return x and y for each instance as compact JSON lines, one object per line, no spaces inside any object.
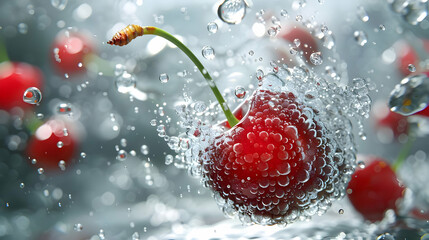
{"x":307,"y":42}
{"x":52,"y":142}
{"x":375,"y":189}
{"x":68,"y":52}
{"x":386,"y":120}
{"x":406,"y":56}
{"x":15,"y":78}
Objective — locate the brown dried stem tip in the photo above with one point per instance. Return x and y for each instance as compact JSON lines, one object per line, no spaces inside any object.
{"x":130,"y":32}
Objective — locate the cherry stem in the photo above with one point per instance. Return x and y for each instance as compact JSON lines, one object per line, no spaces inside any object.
{"x":405,"y":151}
{"x":3,"y":52}
{"x":232,"y":120}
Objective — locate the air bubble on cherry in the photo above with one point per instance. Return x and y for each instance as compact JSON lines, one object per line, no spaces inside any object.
{"x":208,"y":52}
{"x":32,"y":95}
{"x":232,"y":11}
{"x":60,"y":144}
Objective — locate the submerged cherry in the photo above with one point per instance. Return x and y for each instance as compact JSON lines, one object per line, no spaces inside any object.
{"x":375,"y":189}
{"x":279,"y":163}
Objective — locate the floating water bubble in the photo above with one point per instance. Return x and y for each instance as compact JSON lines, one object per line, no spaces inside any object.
{"x":60,"y":144}
{"x":341,"y":211}
{"x":136,"y":236}
{"x":159,"y":19}
{"x":299,"y":18}
{"x":232,"y":11}
{"x":101,"y":235}
{"x":316,"y":58}
{"x":144,"y":149}
{"x":411,"y":95}
{"x":59,"y":4}
{"x":297,"y":42}
{"x":62,"y":165}
{"x":23,"y":28}
{"x":163,"y":77}
{"x":64,"y":108}
{"x":208,"y":52}
{"x":240,"y":92}
{"x":212,"y":27}
{"x":21,"y":185}
{"x":125,"y":83}
{"x":284,"y":13}
{"x":78,"y":227}
{"x":32,"y":95}
{"x":362,"y":14}
{"x":40,"y":116}
{"x":40,"y":170}
{"x":33,"y":161}
{"x":251,"y":53}
{"x":385,"y":236}
{"x":272,"y":31}
{"x":119,"y":69}
{"x":360,"y":37}
{"x":259,"y":74}
{"x":200,"y":107}
{"x":83,"y":154}
{"x":122,"y":155}
{"x":411,"y":68}
{"x":169,"y":159}
{"x":382,"y":27}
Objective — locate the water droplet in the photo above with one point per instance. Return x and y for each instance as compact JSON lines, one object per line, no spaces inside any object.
{"x":153,"y":122}
{"x":361,"y":164}
{"x":169,"y":159}
{"x":136,"y":236}
{"x":208,"y":52}
{"x":416,"y":12}
{"x":159,"y":19}
{"x":122,"y":155}
{"x":240,"y":92}
{"x":212,"y":27}
{"x":22,"y":28}
{"x":232,"y":11}
{"x":40,"y":170}
{"x":33,"y":161}
{"x":163,"y":77}
{"x":259,"y":74}
{"x":32,"y":95}
{"x":144,"y":149}
{"x":283,"y":13}
{"x":101,"y":235}
{"x":21,"y":185}
{"x":200,"y":107}
{"x":251,"y":53}
{"x":297,"y":42}
{"x":62,"y":165}
{"x":293,"y":51}
{"x":411,"y":95}
{"x":360,"y":37}
{"x":316,"y":58}
{"x":60,"y":144}
{"x":119,"y":69}
{"x":411,"y":68}
{"x":78,"y":227}
{"x":40,"y":116}
{"x":382,"y":27}
{"x":125,"y":83}
{"x":83,"y":154}
{"x":385,"y":236}
{"x":272,"y":31}
{"x":64,"y":108}
{"x":298,"y":18}
{"x":59,"y":4}
{"x":341,"y":211}
{"x":362,"y":14}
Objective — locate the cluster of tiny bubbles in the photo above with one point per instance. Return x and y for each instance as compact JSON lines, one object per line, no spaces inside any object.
{"x":413,"y":12}
{"x":32,"y":95}
{"x":410,"y":95}
{"x":232,"y":11}
{"x":125,"y":83}
{"x":212,"y":27}
{"x":208,"y":52}
{"x":64,"y":108}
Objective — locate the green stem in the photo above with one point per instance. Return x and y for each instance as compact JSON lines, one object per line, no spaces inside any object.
{"x":96,"y":64}
{"x":232,"y":120}
{"x":405,"y":151}
{"x":3,"y":52}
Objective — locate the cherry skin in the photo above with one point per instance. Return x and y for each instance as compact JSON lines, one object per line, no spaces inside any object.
{"x":68,"y":52}
{"x":44,"y":145}
{"x":271,"y":160}
{"x":375,"y":189}
{"x":15,"y":78}
{"x":307,"y":42}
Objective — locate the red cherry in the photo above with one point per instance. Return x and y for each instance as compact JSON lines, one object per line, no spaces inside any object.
{"x":374,"y":189}
{"x":15,"y":78}
{"x":52,"y":142}
{"x":274,"y":162}
{"x":385,"y":118}
{"x":307,"y":42}
{"x":68,"y":52}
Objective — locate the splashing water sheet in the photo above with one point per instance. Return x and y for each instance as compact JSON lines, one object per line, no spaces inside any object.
{"x":130,"y":142}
